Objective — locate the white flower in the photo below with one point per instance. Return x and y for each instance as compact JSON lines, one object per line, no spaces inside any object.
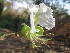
{"x":46,"y":17}
{"x":34,"y":8}
{"x":43,"y":7}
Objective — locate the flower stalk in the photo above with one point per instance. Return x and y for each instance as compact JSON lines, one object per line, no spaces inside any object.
{"x":33,"y":30}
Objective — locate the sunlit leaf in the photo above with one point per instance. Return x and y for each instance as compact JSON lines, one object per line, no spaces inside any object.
{"x":26,"y":31}
{"x":37,"y":17}
{"x":39,"y":30}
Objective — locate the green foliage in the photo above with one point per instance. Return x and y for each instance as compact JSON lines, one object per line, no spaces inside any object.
{"x":26,"y":32}
{"x":39,"y":30}
{"x":37,"y":17}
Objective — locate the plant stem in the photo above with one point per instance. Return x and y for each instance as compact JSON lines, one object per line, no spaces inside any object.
{"x":33,"y":30}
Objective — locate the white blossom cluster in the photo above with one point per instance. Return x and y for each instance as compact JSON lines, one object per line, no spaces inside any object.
{"x":46,"y":15}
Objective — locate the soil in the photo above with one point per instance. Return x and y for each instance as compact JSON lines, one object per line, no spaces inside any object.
{"x":12,"y":43}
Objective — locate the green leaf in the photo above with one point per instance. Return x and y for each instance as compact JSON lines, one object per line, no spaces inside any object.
{"x":26,"y":31}
{"x":39,"y":30}
{"x":37,"y":17}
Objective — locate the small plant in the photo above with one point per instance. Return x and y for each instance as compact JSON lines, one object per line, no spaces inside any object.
{"x":34,"y":37}
{"x":38,"y":15}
